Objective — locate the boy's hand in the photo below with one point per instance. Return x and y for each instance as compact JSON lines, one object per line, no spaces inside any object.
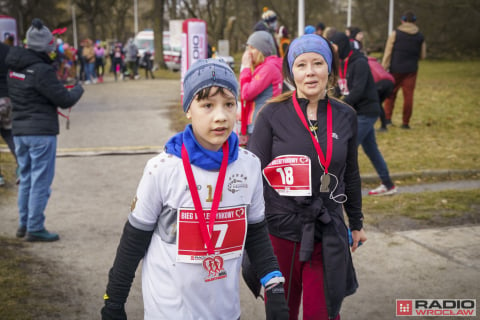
{"x":113,"y":311}
{"x":276,"y":305}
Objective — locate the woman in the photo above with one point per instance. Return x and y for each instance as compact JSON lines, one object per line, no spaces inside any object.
{"x":117,"y":61}
{"x":260,"y":77}
{"x":358,"y":89}
{"x":89,"y":56}
{"x":99,"y":60}
{"x":306,"y":225}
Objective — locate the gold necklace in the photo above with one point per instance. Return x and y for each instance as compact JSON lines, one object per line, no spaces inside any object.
{"x":313,"y":127}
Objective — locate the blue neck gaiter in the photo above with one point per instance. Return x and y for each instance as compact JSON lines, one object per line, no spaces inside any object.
{"x":199,"y":156}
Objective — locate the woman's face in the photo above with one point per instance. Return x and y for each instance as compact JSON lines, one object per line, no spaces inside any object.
{"x":310,"y":73}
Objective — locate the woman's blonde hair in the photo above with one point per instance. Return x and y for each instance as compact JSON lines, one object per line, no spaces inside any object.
{"x":260,"y":59}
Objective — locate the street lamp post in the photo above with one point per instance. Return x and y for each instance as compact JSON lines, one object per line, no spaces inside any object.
{"x":301,"y":17}
{"x":390,"y":17}
{"x":74,"y":26}
{"x":349,"y":13}
{"x":135,"y":15}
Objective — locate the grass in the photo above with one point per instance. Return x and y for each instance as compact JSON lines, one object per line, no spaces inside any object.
{"x":423,"y":210}
{"x":7,"y":169}
{"x":28,"y":285}
{"x":445,"y":129}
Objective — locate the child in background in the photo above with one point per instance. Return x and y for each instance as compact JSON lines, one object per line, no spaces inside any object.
{"x":199,"y":204}
{"x":148,"y":63}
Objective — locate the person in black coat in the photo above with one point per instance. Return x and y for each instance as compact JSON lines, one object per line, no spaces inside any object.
{"x":404,"y":48}
{"x":358,"y":89}
{"x":305,"y":207}
{"x":5,"y":103}
{"x":36,"y":93}
{"x":148,"y":63}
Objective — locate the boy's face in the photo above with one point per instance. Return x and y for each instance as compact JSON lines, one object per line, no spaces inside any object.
{"x":213,"y":118}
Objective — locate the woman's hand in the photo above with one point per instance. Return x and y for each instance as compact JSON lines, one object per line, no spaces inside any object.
{"x":358,"y":236}
{"x":247,"y":59}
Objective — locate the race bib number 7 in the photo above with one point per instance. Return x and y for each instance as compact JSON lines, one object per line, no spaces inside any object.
{"x":229,"y":232}
{"x":290,"y":175}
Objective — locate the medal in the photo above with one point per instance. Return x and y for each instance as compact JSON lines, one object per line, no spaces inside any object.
{"x":324,"y":183}
{"x":323,"y":159}
{"x":212,"y":264}
{"x":214,"y":267}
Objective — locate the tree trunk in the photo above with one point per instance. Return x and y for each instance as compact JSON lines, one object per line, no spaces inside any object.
{"x":158,"y":12}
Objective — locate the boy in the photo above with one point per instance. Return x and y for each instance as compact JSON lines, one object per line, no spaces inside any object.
{"x":190,"y":215}
{"x":148,"y":63}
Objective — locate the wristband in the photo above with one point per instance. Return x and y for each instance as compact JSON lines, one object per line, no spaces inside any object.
{"x":274,"y":281}
{"x":269,"y":276}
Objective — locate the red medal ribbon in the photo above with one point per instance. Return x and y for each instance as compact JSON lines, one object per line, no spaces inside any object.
{"x":343,"y":73}
{"x":206,"y":233}
{"x":324,"y":161}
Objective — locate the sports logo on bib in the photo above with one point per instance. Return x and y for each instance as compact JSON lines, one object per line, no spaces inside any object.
{"x":289,"y":175}
{"x":214,"y":267}
{"x":237,"y":181}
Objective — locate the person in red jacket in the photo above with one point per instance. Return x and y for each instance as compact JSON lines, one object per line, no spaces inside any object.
{"x":260,"y":77}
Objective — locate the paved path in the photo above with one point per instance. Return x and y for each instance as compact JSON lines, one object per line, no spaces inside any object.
{"x":92,"y":194}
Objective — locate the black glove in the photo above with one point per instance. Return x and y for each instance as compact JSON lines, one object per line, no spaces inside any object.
{"x":113,"y":311}
{"x":276,"y":305}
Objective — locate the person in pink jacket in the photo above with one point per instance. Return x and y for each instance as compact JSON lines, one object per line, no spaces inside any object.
{"x":260,"y":77}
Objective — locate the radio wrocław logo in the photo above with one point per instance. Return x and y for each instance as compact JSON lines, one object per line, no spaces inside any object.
{"x":437,"y":307}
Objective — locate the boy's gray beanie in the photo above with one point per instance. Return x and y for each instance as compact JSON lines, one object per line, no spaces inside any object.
{"x":206,"y":73}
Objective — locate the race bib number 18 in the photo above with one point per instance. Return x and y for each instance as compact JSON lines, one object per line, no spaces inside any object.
{"x":290,"y":175}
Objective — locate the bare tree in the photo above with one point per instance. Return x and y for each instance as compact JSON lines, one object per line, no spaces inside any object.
{"x":172,"y":4}
{"x":24,"y":12}
{"x":158,"y":14}
{"x":91,"y":10}
{"x":439,"y":20}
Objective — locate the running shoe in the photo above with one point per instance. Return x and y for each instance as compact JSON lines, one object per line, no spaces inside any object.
{"x":382,"y":190}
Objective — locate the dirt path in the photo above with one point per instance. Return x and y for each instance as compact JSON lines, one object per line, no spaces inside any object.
{"x":91,"y":197}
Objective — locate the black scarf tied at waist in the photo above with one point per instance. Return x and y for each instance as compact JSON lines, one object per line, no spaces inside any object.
{"x":312,"y":210}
